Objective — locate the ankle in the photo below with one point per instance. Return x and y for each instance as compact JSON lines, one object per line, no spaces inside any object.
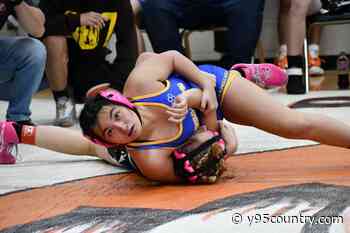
{"x":25,"y":133}
{"x":295,"y":61}
{"x":59,"y":94}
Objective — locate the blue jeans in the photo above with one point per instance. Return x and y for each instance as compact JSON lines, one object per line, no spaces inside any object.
{"x":243,"y":18}
{"x":22,"y":64}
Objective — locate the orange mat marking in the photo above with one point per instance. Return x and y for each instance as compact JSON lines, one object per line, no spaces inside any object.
{"x":248,"y":173}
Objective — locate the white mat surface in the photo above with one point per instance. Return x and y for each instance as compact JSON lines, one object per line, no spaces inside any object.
{"x":42,"y":167}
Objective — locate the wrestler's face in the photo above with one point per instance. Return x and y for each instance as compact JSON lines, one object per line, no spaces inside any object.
{"x":118,"y":125}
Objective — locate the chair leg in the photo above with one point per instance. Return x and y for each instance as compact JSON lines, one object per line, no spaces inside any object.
{"x":306,"y":65}
{"x":260,"y":51}
{"x":185,"y":35}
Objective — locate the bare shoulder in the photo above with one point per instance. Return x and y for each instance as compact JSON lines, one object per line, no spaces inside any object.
{"x":145,"y":77}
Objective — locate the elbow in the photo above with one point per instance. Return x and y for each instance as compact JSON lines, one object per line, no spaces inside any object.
{"x":38,"y":33}
{"x":143,"y":57}
{"x":172,"y":53}
{"x":39,"y":29}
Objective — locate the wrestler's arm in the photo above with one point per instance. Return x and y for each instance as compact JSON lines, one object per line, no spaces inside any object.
{"x":155,"y":164}
{"x":158,"y":165}
{"x":70,"y":142}
{"x":152,"y":67}
{"x":193,"y":98}
{"x":31,"y":19}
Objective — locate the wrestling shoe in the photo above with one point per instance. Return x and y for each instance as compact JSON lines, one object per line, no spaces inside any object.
{"x":8,"y":143}
{"x":264,"y":75}
{"x":65,"y":112}
{"x":314,"y":61}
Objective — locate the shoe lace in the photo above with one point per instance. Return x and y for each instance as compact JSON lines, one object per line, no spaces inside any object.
{"x":260,"y":76}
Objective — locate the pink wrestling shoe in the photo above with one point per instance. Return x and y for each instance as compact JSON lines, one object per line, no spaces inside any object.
{"x":8,"y":143}
{"x":265,"y":75}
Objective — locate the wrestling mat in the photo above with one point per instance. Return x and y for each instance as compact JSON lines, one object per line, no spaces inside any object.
{"x":273,"y":185}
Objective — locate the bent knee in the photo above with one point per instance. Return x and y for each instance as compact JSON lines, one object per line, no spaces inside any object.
{"x":57,"y":44}
{"x":33,"y":49}
{"x":299,"y":7}
{"x":57,"y":47}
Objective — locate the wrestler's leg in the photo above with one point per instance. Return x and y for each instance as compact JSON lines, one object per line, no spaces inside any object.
{"x":68,"y":141}
{"x":247,"y":104}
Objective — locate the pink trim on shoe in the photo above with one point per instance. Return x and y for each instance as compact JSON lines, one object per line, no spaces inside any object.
{"x":265,"y":75}
{"x":8,"y":139}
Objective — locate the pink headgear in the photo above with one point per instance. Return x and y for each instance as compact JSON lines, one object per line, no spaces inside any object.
{"x":110,"y":94}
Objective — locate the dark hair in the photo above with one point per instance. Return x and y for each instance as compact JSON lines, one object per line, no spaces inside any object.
{"x":88,"y":115}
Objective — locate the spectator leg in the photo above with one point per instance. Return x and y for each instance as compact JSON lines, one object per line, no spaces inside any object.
{"x":136,"y":9}
{"x":22,"y":64}
{"x":244,"y":23}
{"x":297,"y":26}
{"x":57,"y":62}
{"x":161,"y":27}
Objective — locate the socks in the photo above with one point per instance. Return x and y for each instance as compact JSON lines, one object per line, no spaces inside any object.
{"x":295,"y":61}
{"x":59,"y":94}
{"x":25,"y":133}
{"x":296,"y":81}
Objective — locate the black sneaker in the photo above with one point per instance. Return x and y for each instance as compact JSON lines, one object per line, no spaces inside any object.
{"x":343,"y":81}
{"x":296,"y":81}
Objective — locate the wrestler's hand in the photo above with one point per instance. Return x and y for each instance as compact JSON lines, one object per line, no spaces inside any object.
{"x":104,"y":153}
{"x":228,"y":134}
{"x":209,"y":102}
{"x":178,"y":110}
{"x":93,"y":19}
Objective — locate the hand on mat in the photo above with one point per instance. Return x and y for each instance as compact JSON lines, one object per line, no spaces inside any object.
{"x":178,"y":110}
{"x":228,"y":134}
{"x":93,"y":19}
{"x":104,"y":153}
